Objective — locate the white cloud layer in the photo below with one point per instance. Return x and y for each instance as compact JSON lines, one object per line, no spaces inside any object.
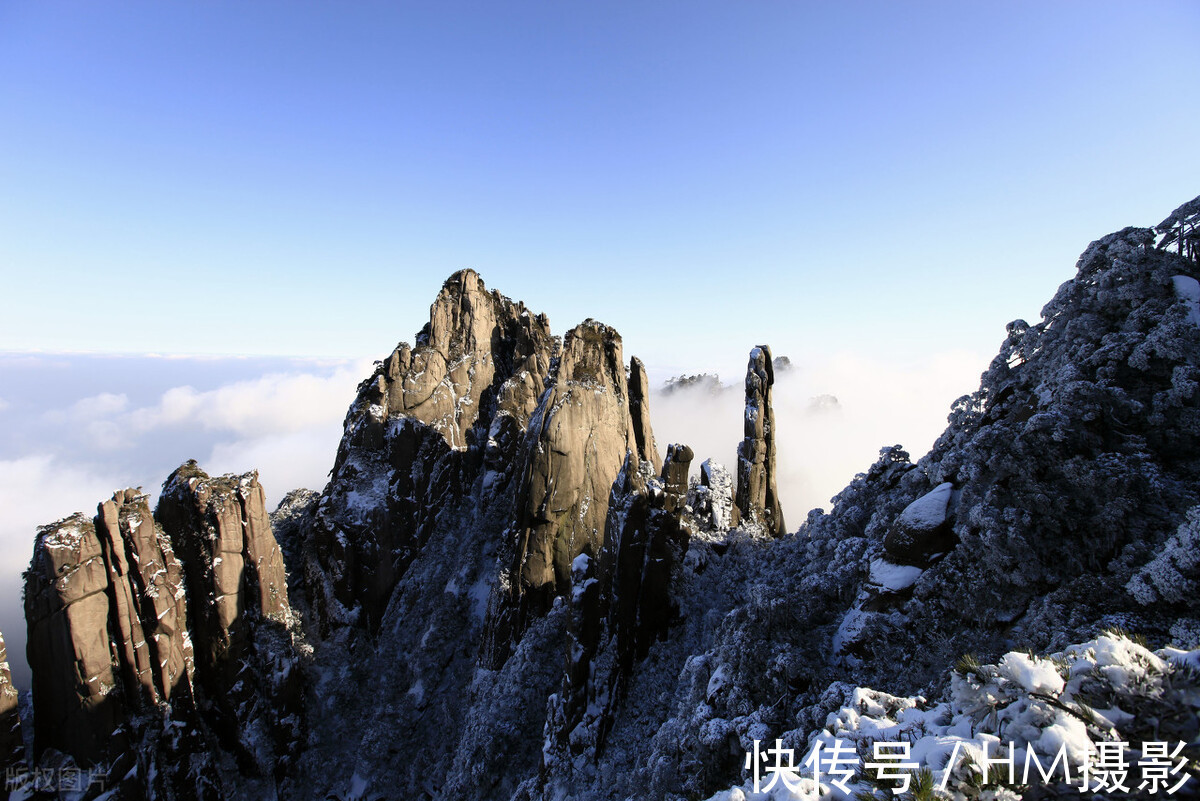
{"x":821,"y":445}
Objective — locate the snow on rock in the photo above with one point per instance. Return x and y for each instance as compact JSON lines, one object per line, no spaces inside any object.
{"x":893,"y":577}
{"x":1187,"y":289}
{"x":1026,"y":708}
{"x":928,"y":511}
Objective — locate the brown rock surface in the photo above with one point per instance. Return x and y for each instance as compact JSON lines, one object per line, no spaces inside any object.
{"x":757,"y":496}
{"x":220,"y":528}
{"x":578,"y":440}
{"x":639,"y":412}
{"x":240,"y":618}
{"x":105,"y":606}
{"x":430,"y":422}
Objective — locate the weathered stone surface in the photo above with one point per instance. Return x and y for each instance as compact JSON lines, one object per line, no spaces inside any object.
{"x":12,"y":749}
{"x":578,"y":440}
{"x":292,"y":524}
{"x":106,"y":610}
{"x":675,"y":474}
{"x":240,"y":617}
{"x":757,"y":496}
{"x":715,"y":496}
{"x":432,"y":421}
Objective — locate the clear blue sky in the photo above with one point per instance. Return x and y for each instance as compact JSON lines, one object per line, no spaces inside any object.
{"x":299,"y":178}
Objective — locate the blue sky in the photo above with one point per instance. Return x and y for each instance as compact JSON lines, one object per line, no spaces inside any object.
{"x":298,"y":178}
{"x":874,"y":189}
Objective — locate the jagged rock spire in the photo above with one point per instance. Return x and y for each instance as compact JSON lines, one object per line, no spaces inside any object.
{"x":246,"y":664}
{"x":425,"y":426}
{"x":111,"y":580}
{"x":639,"y":410}
{"x":757,"y":496}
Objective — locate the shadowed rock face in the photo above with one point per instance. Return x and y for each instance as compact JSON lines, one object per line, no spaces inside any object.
{"x":12,"y":750}
{"x":431,"y":422}
{"x":106,"y":610}
{"x":621,"y":603}
{"x":239,"y":613}
{"x":639,"y":411}
{"x":757,"y":496}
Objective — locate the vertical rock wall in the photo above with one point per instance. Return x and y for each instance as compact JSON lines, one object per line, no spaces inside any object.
{"x":106,"y":609}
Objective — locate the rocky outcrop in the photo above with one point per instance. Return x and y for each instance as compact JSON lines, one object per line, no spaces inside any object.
{"x":757,"y":495}
{"x":291,"y":523}
{"x":714,"y":497}
{"x":577,"y":442}
{"x":621,"y":602}
{"x":639,"y":412}
{"x":105,"y":605}
{"x":923,"y":530}
{"x":12,"y":749}
{"x":246,"y":664}
{"x":431,"y":422}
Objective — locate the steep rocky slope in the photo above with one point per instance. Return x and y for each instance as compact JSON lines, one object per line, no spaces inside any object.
{"x":505,"y":592}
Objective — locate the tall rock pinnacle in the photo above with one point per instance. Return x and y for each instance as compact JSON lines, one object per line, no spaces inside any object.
{"x":581,"y":432}
{"x":639,"y":410}
{"x":757,"y":496}
{"x":105,"y":605}
{"x":239,"y":615}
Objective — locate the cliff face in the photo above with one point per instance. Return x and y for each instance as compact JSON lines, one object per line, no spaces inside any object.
{"x":159,"y":646}
{"x":240,"y":621}
{"x":107,"y":616}
{"x":578,"y":438}
{"x":12,"y":748}
{"x":511,"y":596}
{"x":426,"y":427}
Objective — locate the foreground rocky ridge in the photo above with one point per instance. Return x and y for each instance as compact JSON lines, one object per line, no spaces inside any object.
{"x":507,"y":593}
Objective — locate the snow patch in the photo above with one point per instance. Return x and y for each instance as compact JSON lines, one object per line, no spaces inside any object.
{"x":928,"y":511}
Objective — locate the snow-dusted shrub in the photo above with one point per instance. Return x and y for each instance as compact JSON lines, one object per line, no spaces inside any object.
{"x":1172,"y":575}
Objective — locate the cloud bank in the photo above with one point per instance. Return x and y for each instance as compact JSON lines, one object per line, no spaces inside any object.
{"x":832,"y":413}
{"x":70,"y":455}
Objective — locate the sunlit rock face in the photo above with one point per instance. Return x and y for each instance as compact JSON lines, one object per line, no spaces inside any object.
{"x":579,"y":437}
{"x":12,"y":748}
{"x":431,"y":423}
{"x":107,"y":616}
